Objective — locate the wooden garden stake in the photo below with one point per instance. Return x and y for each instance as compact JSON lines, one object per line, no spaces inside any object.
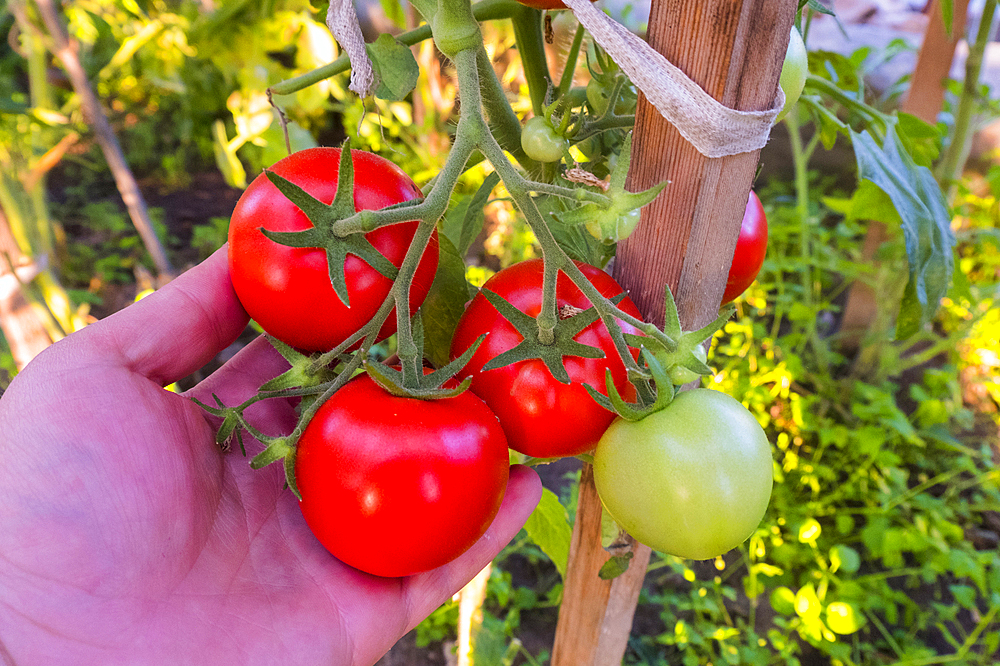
{"x":733,"y":49}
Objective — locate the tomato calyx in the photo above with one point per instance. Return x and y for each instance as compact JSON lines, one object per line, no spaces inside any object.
{"x":661,"y":359}
{"x":616,"y":220}
{"x":532,"y":347}
{"x":411,"y":381}
{"x":324,"y":234}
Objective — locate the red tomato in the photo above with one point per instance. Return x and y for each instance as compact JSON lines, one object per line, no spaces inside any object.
{"x":750,"y":250}
{"x":395,"y":486}
{"x":541,"y":416}
{"x":287,"y":290}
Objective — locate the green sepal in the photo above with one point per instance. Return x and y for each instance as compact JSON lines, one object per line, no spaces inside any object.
{"x":391,"y":380}
{"x":231,"y":421}
{"x":323,"y":217}
{"x":636,"y":411}
{"x":277,"y":449}
{"x":671,"y":318}
{"x":290,"y":475}
{"x":300,"y":374}
{"x":622,"y":202}
{"x":530,"y":348}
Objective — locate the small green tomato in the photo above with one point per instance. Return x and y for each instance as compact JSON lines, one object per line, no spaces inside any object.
{"x":793,"y":71}
{"x":614,"y":230}
{"x":680,"y":375}
{"x":540,"y":141}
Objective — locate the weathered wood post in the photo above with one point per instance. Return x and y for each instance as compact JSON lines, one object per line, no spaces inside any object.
{"x":733,"y":49}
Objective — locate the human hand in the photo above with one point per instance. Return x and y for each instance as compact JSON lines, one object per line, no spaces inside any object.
{"x":128,"y":536}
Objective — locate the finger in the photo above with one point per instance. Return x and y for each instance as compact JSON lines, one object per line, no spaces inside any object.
{"x":176,"y":330}
{"x":425,"y":592}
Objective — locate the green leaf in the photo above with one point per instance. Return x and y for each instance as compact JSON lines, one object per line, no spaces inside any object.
{"x":819,"y":7}
{"x":922,"y":140}
{"x":472,"y":221}
{"x":548,"y":527}
{"x":844,"y":558}
{"x":225,"y":157}
{"x":948,"y":15}
{"x":395,"y":66}
{"x":445,"y":303}
{"x":615,"y":567}
{"x":926,"y":223}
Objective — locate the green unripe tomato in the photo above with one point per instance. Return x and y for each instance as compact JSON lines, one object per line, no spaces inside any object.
{"x":793,"y":71}
{"x":680,"y":375}
{"x":540,"y":141}
{"x":616,"y":229}
{"x":692,"y":480}
{"x":597,"y":96}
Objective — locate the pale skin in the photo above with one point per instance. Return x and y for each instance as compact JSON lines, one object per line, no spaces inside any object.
{"x":128,"y":536}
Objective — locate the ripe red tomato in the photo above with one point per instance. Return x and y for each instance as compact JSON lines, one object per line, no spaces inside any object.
{"x":541,"y":416}
{"x":394,"y":486}
{"x":692,"y":480}
{"x":287,"y":290}
{"x":750,"y":250}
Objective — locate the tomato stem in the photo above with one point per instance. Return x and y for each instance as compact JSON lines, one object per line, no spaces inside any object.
{"x":530,"y":40}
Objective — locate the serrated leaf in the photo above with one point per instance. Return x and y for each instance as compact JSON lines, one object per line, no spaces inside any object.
{"x":548,"y":527}
{"x":926,"y":224}
{"x":445,"y":303}
{"x":395,"y":66}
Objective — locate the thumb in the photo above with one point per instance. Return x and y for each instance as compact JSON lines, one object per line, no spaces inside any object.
{"x":175,"y":330}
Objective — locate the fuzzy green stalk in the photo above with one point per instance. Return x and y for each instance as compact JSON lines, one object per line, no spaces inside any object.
{"x":950,"y":168}
{"x":553,"y":255}
{"x":571,"y":59}
{"x":527,"y":24}
{"x":504,"y":122}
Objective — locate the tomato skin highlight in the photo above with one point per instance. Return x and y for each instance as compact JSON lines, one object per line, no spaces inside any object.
{"x":395,"y":486}
{"x":691,"y":480}
{"x":541,"y":416}
{"x":287,"y":290}
{"x":751,"y":248}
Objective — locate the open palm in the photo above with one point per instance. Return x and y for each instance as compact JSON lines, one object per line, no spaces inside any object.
{"x":127,"y":536}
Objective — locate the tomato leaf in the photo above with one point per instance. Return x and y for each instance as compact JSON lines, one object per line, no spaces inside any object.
{"x":926,"y":222}
{"x":395,"y":66}
{"x":445,"y":302}
{"x":472,"y":223}
{"x":615,"y":566}
{"x":548,"y":527}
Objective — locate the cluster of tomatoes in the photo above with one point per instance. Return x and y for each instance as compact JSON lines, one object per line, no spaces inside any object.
{"x":394,"y":485}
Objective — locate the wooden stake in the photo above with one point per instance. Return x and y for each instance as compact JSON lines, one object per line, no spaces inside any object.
{"x":734,"y":50}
